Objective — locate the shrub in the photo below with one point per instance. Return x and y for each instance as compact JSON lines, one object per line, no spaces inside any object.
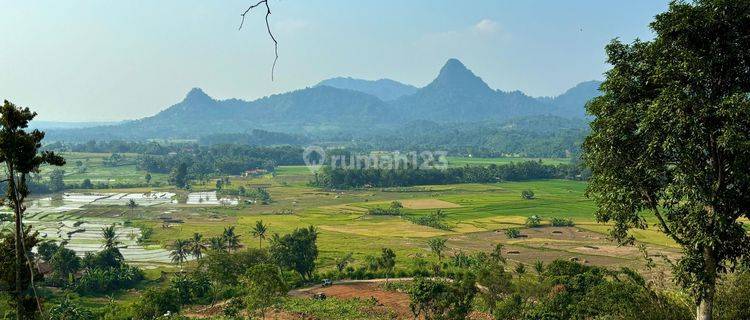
{"x":156,"y":302}
{"x":104,"y":280}
{"x":561,"y":222}
{"x":512,"y":233}
{"x":534,"y":221}
{"x":527,"y":194}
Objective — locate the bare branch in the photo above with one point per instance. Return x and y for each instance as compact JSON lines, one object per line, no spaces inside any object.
{"x":268,"y":28}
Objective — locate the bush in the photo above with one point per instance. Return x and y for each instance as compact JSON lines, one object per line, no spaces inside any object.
{"x":512,"y":233}
{"x":732,"y":298}
{"x":156,"y":302}
{"x":104,"y":280}
{"x":534,"y":221}
{"x":527,"y":194}
{"x":560,"y":222}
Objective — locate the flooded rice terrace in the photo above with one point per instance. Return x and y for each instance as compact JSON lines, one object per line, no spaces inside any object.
{"x":59,"y":219}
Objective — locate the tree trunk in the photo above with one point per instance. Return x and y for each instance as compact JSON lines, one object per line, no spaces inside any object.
{"x":19,"y":243}
{"x":705,"y":308}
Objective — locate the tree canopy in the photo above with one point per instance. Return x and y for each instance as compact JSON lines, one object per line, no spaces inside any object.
{"x":671,"y":138}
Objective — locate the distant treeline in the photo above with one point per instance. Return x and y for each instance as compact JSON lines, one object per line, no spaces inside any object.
{"x":254,"y":138}
{"x":339,"y":178}
{"x":223,"y":159}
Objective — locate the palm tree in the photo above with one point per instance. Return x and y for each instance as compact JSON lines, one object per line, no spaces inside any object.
{"x":231,"y":239}
{"x":109,"y":236}
{"x":217,"y":243}
{"x":197,"y":246}
{"x":180,"y":251}
{"x":259,"y":231}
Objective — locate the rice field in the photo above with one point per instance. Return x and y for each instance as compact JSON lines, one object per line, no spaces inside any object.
{"x":477,"y":216}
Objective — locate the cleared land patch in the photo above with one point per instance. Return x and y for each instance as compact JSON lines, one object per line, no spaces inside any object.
{"x":428,"y":204}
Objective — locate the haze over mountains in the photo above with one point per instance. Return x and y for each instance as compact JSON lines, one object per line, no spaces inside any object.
{"x":345,"y":105}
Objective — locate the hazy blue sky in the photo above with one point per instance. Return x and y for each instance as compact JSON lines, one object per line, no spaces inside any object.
{"x":105,"y":60}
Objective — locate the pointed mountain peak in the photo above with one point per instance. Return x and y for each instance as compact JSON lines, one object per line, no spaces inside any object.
{"x":454,"y":75}
{"x":197,"y":95}
{"x":454,"y":65}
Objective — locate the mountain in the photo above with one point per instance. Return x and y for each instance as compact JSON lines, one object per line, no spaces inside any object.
{"x":301,"y":111}
{"x":571,"y":103}
{"x":458,"y":95}
{"x":344,"y":107}
{"x":384,"y":89}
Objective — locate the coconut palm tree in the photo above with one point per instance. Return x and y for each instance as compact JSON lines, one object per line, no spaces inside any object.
{"x":231,"y":238}
{"x":217,"y":243}
{"x":259,"y":231}
{"x":197,"y":246}
{"x":109,"y":236}
{"x":180,"y":251}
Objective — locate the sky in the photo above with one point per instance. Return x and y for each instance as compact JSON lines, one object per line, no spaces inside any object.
{"x":99,"y":60}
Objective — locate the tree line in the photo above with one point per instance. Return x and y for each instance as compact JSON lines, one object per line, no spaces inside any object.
{"x":341,"y":178}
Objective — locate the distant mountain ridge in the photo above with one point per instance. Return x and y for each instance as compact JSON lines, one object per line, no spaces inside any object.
{"x":456,"y":95}
{"x":384,"y":89}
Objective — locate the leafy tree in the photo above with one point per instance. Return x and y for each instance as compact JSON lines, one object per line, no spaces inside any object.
{"x":86,"y":184}
{"x":231,"y":239}
{"x":65,"y":264}
{"x":441,"y":300}
{"x":259,"y":231}
{"x":148,"y":178}
{"x":46,"y":249}
{"x":105,"y":259}
{"x":132,"y":205}
{"x":56,"y":183}
{"x":155,"y":302}
{"x":266,"y":287}
{"x":19,"y":151}
{"x":178,"y":176}
{"x":197,"y":246}
{"x":296,"y":251}
{"x":670,"y":138}
{"x":226,"y":269}
{"x":497,"y":283}
{"x":437,"y":246}
{"x":387,"y":261}
{"x":527,"y":194}
{"x":180,"y":251}
{"x":109,"y":237}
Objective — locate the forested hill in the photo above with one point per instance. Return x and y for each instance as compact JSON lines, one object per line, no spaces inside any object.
{"x":343,"y":105}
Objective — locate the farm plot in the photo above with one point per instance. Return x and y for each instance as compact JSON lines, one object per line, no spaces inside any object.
{"x":209,"y":198}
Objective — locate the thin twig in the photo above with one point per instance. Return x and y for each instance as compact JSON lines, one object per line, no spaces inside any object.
{"x":268,"y":28}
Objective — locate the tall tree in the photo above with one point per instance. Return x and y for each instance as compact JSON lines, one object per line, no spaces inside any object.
{"x":259,"y":231}
{"x":180,"y":251}
{"x":19,"y":151}
{"x":671,"y":139}
{"x":197,"y":246}
{"x":109,"y":237}
{"x":231,"y":238}
{"x":297,"y":250}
